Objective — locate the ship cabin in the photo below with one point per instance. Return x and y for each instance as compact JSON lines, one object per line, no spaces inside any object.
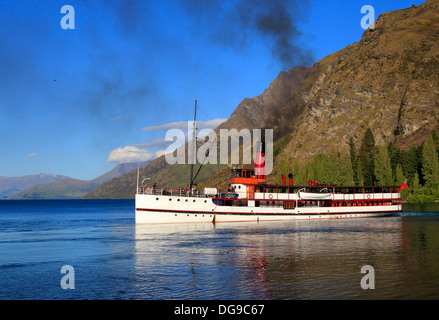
{"x":244,"y":181}
{"x":247,"y":188}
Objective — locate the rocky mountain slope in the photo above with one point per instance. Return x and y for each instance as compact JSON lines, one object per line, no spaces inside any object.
{"x":388,"y":81}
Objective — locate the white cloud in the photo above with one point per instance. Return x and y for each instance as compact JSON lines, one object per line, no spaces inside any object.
{"x":172,"y":125}
{"x":139,"y":152}
{"x":32,"y":155}
{"x":163,"y":144}
{"x":130,"y":154}
{"x":212,"y":124}
{"x":156,"y":143}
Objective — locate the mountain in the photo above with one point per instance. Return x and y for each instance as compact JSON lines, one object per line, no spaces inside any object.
{"x":63,"y":189}
{"x":68,"y":188}
{"x":388,"y":82}
{"x":119,"y":170}
{"x":10,"y":186}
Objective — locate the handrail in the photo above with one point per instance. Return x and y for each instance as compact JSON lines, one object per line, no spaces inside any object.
{"x":181,"y":192}
{"x":185,"y":192}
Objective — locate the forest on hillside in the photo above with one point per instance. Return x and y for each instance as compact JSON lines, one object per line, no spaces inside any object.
{"x":375,"y":165}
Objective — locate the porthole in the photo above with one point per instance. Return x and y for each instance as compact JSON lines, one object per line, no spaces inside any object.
{"x":194,"y":200}
{"x":156,"y":198}
{"x":205,"y":201}
{"x":186,"y":200}
{"x":170,"y":199}
{"x":178,"y":199}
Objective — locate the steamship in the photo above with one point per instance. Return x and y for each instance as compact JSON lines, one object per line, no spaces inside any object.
{"x":249,"y":198}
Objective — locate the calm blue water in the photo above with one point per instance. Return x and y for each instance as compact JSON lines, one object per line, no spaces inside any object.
{"x":115,"y":259}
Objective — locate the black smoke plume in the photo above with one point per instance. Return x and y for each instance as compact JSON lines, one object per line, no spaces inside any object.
{"x":241,"y":23}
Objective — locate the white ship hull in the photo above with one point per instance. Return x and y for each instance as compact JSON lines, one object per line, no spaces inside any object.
{"x":183,"y":209}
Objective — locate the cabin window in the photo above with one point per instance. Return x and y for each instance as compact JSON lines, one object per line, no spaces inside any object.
{"x":358,"y":190}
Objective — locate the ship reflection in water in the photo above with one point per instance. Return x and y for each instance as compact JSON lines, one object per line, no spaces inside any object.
{"x":289,"y":260}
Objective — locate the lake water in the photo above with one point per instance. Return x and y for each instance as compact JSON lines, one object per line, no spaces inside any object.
{"x":112,"y":258}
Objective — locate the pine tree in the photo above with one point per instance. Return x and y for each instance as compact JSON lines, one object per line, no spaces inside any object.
{"x":436,"y":140}
{"x":320,"y":169}
{"x":415,"y":183}
{"x":430,"y":163}
{"x":366,"y":157}
{"x":354,"y":160}
{"x":411,"y":162}
{"x":399,"y":176}
{"x":345,"y":172}
{"x":333,"y":167}
{"x":360,"y":170}
{"x":394,"y":154}
{"x":383,"y":170}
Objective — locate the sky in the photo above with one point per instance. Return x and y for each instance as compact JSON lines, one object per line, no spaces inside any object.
{"x":100,"y":82}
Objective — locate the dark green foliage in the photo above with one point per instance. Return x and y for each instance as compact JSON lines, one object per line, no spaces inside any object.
{"x":419,"y":165}
{"x":395,"y":156}
{"x":354,"y":160}
{"x":411,"y":162}
{"x":383,"y":170}
{"x":366,"y":157}
{"x":430,"y":163}
{"x":376,"y":165}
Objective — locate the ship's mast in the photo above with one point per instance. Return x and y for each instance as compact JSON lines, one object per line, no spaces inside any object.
{"x":194,"y":147}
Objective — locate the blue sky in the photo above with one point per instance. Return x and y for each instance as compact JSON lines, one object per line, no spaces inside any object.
{"x":78,"y":101}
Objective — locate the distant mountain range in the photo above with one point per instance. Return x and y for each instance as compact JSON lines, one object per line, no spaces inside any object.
{"x":388,"y":82}
{"x":10,"y":186}
{"x":52,"y":186}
